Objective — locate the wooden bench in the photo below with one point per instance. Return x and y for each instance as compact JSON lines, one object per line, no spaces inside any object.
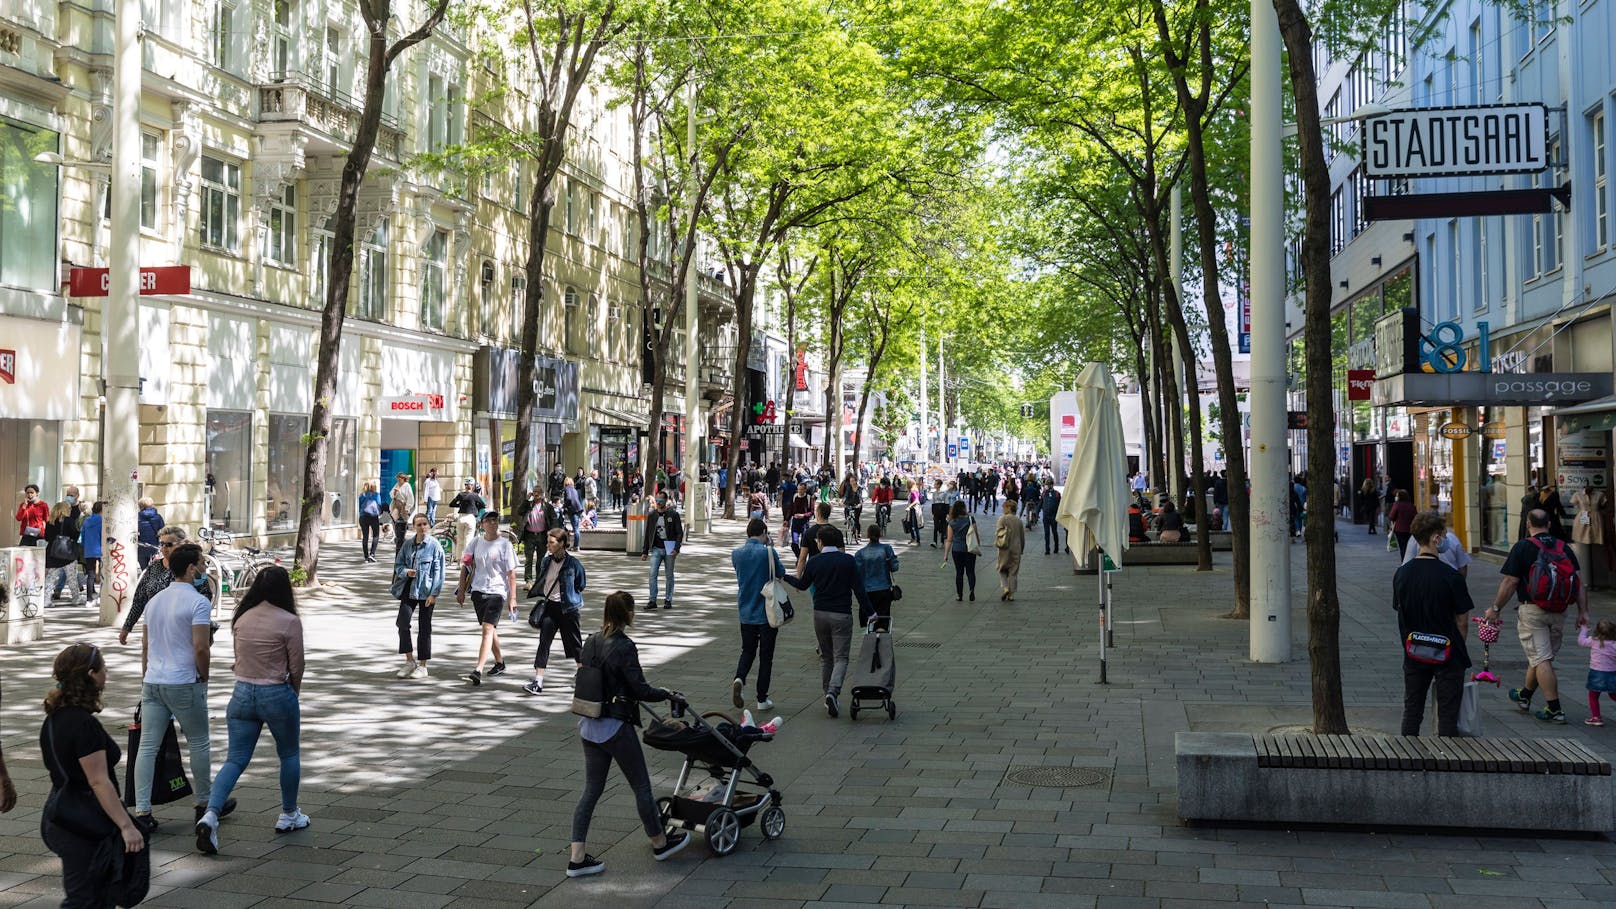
{"x":1498,"y":783}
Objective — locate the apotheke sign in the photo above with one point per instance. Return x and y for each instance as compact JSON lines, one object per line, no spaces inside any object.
{"x":1457,"y":141}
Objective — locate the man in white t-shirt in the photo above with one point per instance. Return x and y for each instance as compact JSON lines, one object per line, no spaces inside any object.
{"x":1449,"y":551}
{"x":488,"y":572}
{"x":176,"y":643}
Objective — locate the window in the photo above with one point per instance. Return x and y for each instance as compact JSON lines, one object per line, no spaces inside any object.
{"x":518,"y":187}
{"x":229,"y":470}
{"x":282,"y":31}
{"x":614,"y":332}
{"x":595,"y":333}
{"x":444,"y":124}
{"x":1338,"y":223}
{"x":372,"y":296}
{"x":569,"y":324}
{"x":320,"y":277}
{"x":487,"y":303}
{"x":1458,"y":266}
{"x":284,"y":494}
{"x":1601,"y":182}
{"x":518,"y":304}
{"x":221,"y":37}
{"x":434,"y":113}
{"x":1356,"y":181}
{"x":221,"y":204}
{"x":27,"y":208}
{"x":1483,"y":269}
{"x":434,"y":268}
{"x":334,"y":85}
{"x":1557,"y":216}
{"x":280,"y":239}
{"x":148,"y":181}
{"x":341,"y":465}
{"x":1474,"y":61}
{"x":454,"y":128}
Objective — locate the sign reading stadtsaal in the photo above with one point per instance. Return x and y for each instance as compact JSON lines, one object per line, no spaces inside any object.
{"x":1455,"y":141}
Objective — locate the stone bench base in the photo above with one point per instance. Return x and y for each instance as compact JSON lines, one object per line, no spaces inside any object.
{"x":606,"y":538}
{"x":1219,"y":779}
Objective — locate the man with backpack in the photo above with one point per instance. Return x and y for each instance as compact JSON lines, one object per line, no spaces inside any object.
{"x":1541,"y":571}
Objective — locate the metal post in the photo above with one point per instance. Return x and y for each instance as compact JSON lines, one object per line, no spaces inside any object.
{"x":696,"y":498}
{"x":120,"y":325}
{"x":943,"y":433}
{"x":925,"y":426}
{"x":1270,"y":549}
{"x":1105,"y":623}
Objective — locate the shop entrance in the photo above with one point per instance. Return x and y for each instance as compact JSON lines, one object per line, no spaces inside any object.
{"x":28,"y":454}
{"x":400,"y":440}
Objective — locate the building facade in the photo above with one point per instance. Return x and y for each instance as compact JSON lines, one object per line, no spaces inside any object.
{"x":1512,"y":295}
{"x":248,"y":111}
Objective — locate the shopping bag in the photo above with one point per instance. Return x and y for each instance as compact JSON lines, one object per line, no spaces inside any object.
{"x":1470,"y":711}
{"x":169,"y":783}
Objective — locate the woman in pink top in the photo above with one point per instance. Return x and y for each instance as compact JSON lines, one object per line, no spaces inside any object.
{"x":269,"y":674}
{"x":1601,"y":643}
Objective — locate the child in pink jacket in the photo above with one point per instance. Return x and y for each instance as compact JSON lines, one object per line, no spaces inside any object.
{"x":1601,"y":642}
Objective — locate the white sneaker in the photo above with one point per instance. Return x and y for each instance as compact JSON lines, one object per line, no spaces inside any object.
{"x":418,"y":671}
{"x":407,"y":671}
{"x":287,"y":823}
{"x":765,"y":704}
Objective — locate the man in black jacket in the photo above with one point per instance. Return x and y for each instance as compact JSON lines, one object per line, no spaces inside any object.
{"x":836,"y":581}
{"x":664,"y":537}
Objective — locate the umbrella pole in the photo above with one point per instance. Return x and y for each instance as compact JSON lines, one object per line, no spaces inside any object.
{"x":1103,"y":623}
{"x":1110,"y":626}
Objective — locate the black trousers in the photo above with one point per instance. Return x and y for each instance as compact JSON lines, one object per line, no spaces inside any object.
{"x":624,"y":748}
{"x":557,"y":618}
{"x":423,"y":636}
{"x":939,"y":526}
{"x":757,"y":643}
{"x":400,"y":528}
{"x":87,"y":882}
{"x":1418,"y":678}
{"x":881,"y":605}
{"x":370,"y":533}
{"x":964,"y":567}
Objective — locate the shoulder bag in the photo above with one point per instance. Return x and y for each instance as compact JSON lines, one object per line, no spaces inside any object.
{"x":169,"y":783}
{"x":777,"y":606}
{"x":973,"y":539}
{"x":535,"y":616}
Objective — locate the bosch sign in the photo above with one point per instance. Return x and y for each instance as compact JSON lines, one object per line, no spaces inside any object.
{"x":419,"y":406}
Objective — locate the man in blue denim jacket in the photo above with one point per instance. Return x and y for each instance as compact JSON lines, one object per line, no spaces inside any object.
{"x":755,"y":564}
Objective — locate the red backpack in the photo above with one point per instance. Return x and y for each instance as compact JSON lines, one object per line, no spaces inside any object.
{"x":1552,"y":583}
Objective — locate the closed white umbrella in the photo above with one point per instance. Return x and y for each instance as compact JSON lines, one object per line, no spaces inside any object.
{"x":1094,"y":505}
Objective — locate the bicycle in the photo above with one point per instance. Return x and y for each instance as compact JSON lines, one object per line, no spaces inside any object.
{"x":850,"y":519}
{"x":232,"y":572}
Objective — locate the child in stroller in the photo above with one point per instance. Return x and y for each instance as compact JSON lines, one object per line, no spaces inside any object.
{"x":720,"y":748}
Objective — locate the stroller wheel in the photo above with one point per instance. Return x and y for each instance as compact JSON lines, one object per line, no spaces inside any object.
{"x":723,"y":831}
{"x":892,"y":710}
{"x":852,"y":713}
{"x":772,"y":822}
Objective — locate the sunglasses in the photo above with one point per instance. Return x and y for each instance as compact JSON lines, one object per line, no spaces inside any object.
{"x":166,"y":544}
{"x":95,"y":654}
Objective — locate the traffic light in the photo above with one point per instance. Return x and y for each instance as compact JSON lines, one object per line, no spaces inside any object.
{"x":1028,"y":411}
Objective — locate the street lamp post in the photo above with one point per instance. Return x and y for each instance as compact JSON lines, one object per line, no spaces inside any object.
{"x":696,"y":497}
{"x":1270,"y":487}
{"x":120,"y":326}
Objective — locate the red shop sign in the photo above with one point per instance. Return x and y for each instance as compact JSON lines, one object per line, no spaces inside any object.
{"x":163,"y":279}
{"x":1359,"y":384}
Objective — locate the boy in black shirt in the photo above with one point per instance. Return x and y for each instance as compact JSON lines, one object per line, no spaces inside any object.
{"x":1433,"y":606}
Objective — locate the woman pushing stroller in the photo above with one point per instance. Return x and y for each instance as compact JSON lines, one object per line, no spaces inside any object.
{"x":611,"y":736}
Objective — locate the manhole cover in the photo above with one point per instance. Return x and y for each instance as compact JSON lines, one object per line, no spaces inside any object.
{"x":924,"y":645}
{"x":1057,"y":777}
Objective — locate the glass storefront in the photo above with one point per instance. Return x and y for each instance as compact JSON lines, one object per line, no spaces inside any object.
{"x":29,"y":450}
{"x":229,"y":471}
{"x":1492,"y":471}
{"x":341,"y":478}
{"x":284,"y":472}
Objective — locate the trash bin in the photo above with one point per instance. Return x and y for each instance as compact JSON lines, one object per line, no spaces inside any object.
{"x":698,"y":508}
{"x":634,"y":521}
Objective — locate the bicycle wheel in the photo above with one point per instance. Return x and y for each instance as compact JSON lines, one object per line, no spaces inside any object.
{"x":244,"y":580}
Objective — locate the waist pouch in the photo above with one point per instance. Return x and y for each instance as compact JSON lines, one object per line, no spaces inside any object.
{"x":1422,"y":647}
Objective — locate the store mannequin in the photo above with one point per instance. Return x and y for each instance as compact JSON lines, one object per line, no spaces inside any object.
{"x":1587,"y":528}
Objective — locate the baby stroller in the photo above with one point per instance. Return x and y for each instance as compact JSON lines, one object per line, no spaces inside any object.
{"x":720,"y":749}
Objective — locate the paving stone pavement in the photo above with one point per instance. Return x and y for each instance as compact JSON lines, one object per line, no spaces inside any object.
{"x":431,"y":794}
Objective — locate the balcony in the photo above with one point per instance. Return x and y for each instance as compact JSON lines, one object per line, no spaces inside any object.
{"x":715,"y":382}
{"x":327,"y":119}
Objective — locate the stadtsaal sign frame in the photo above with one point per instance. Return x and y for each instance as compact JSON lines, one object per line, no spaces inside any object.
{"x":1471,"y":140}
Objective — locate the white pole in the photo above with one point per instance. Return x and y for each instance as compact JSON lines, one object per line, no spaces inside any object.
{"x":942,"y":409}
{"x":120,"y":326}
{"x":695,"y":427}
{"x":1271,"y":584}
{"x":925,"y":426}
{"x":1175,"y":266}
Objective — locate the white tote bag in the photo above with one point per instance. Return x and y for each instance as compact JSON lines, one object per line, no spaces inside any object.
{"x":776,"y":598}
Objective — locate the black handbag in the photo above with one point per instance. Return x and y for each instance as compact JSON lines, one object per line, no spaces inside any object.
{"x":169,"y":783}
{"x":535,"y":616}
{"x":897,"y":593}
{"x":62,"y":549}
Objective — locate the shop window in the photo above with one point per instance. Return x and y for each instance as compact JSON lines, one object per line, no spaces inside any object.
{"x":229,"y":471}
{"x":221,"y":204}
{"x":284,"y":473}
{"x":1601,"y":182}
{"x":27,"y":208}
{"x":341,"y":479}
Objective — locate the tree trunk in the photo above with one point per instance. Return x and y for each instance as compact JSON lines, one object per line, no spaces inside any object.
{"x":340,"y":269}
{"x":538,"y":235}
{"x":1323,"y":603}
{"x":744,"y":296}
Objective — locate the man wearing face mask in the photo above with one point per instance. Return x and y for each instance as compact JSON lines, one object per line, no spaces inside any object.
{"x":175,"y":647}
{"x":664,"y":537}
{"x":1449,"y":551}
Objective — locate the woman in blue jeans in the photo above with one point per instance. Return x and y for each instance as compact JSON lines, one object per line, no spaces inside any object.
{"x":269,"y":674}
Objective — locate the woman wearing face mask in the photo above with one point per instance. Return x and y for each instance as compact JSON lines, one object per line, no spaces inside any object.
{"x":156,"y":578}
